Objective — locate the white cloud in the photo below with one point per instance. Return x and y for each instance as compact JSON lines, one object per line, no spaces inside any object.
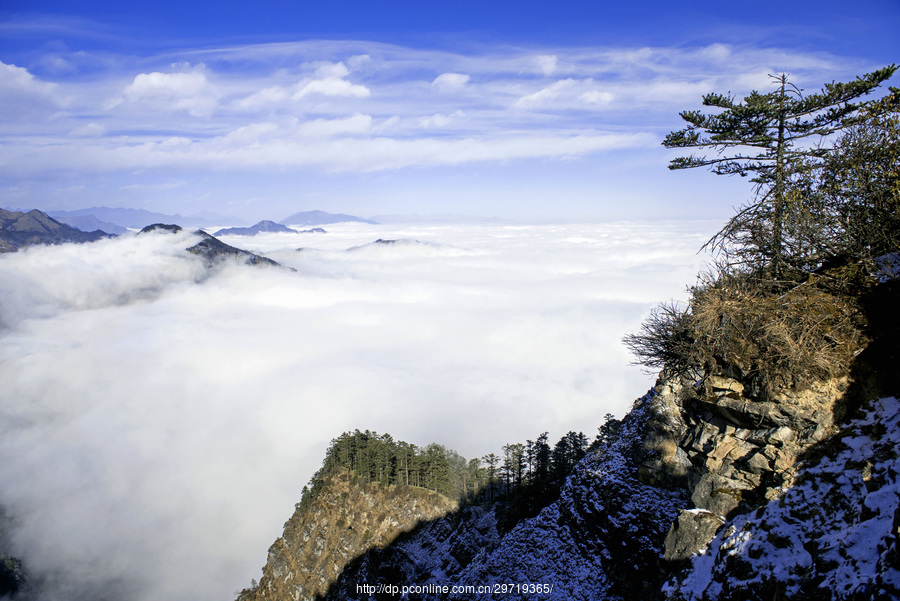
{"x":17,"y":80}
{"x":450,"y":81}
{"x":355,"y":124}
{"x":440,"y":121}
{"x":567,"y":94}
{"x":546,"y":64}
{"x":254,"y":133}
{"x":597,"y":97}
{"x":24,"y":96}
{"x":159,"y":420}
{"x":188,"y":91}
{"x":544,"y":95}
{"x":248,"y":150}
{"x":89,"y":130}
{"x":330,"y":81}
{"x":558,"y":97}
{"x":262,"y":98}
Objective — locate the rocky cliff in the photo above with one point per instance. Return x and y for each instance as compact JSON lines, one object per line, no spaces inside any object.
{"x":345,"y":519}
{"x":713,"y":488}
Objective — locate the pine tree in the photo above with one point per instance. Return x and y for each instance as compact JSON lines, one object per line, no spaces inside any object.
{"x":774,"y":136}
{"x":491,"y":459}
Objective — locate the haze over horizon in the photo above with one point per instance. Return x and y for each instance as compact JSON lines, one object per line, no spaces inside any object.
{"x":516,"y":110}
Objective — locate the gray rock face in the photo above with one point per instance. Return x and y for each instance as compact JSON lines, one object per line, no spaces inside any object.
{"x":691,"y":533}
{"x":731,"y":451}
{"x":833,"y":535}
{"x":744,"y":450}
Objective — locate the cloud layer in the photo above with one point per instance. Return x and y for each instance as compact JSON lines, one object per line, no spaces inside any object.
{"x":159,"y":420}
{"x":322,"y":107}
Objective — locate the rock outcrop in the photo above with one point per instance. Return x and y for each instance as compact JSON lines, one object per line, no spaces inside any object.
{"x":346,"y":519}
{"x":735,"y":451}
{"x":833,"y":535}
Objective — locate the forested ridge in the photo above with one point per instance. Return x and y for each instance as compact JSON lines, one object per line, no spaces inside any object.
{"x":524,"y":476}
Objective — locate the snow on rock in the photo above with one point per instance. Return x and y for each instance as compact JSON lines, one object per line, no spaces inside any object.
{"x":602,"y":539}
{"x":833,"y":535}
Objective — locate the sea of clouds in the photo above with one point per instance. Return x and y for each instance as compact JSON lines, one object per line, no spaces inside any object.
{"x":159,"y":418}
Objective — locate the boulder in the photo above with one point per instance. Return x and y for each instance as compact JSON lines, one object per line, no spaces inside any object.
{"x":691,"y":533}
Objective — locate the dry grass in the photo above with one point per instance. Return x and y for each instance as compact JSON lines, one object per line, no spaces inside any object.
{"x":775,"y":337}
{"x":785,"y":340}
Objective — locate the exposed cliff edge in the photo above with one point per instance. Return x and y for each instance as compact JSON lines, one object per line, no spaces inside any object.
{"x":712,"y":488}
{"x":346,"y":518}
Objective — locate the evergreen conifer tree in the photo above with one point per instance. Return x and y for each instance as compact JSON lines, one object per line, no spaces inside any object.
{"x":773,"y":136}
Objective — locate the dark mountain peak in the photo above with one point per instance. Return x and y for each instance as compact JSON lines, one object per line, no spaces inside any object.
{"x":212,"y":251}
{"x":18,"y":229}
{"x":161,"y":227}
{"x":400,"y":242}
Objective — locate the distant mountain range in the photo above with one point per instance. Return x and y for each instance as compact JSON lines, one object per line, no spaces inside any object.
{"x":89,"y":223}
{"x":322,"y":218}
{"x":139,"y":218}
{"x":262,"y":226}
{"x":19,"y":229}
{"x":106,"y":218}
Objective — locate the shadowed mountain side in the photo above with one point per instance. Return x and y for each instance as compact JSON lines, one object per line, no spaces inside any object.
{"x":346,"y":518}
{"x":18,"y":230}
{"x":602,"y":538}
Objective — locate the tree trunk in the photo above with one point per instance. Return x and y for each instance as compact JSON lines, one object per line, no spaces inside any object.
{"x":778,"y":212}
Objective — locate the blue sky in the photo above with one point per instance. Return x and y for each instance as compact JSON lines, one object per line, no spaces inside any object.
{"x":523,"y":110}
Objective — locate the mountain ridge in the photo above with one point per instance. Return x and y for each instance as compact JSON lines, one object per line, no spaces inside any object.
{"x":262,"y":226}
{"x":318,"y":217}
{"x":18,"y":230}
{"x":140,"y":218}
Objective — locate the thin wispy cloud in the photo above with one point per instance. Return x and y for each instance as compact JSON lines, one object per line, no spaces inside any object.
{"x":519,"y":104}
